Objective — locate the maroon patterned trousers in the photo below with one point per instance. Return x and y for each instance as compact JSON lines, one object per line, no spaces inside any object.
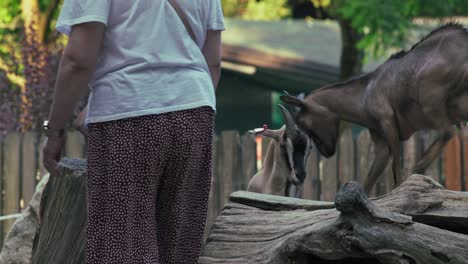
{"x":148,"y":184}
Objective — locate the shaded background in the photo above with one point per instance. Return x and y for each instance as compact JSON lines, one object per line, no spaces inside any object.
{"x":270,"y":46}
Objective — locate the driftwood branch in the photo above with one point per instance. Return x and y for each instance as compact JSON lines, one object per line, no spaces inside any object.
{"x":362,"y":231}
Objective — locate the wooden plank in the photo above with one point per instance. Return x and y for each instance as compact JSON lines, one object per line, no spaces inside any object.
{"x":433,"y":170}
{"x":329,"y":178}
{"x":365,"y":152}
{"x":231,"y":164}
{"x":346,"y":163}
{"x":452,"y":164}
{"x":248,"y":159}
{"x":11,"y":184}
{"x":29,"y":164}
{"x":312,"y":182}
{"x":74,"y":147}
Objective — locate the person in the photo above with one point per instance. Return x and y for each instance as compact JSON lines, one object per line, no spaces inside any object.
{"x":150,"y":123}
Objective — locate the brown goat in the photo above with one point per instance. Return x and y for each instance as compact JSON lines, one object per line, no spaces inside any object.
{"x":424,"y":88}
{"x":283,"y":172}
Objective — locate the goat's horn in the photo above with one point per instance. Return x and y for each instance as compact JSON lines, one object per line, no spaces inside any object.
{"x":289,"y":120}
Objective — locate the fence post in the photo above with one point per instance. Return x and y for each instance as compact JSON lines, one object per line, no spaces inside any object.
{"x":464,"y":173}
{"x":312,"y":181}
{"x":11,"y":183}
{"x":433,"y":170}
{"x":329,"y":178}
{"x":2,"y":211}
{"x":29,"y":163}
{"x":231,"y":164}
{"x":366,"y":156}
{"x":213,"y":202}
{"x":41,"y":170}
{"x":249,"y":159}
{"x":412,"y":153}
{"x":346,"y":161}
{"x":451,"y":164}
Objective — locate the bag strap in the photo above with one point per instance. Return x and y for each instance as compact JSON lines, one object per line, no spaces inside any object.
{"x":183,"y":17}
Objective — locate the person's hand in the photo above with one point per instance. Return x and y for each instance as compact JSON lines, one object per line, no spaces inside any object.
{"x":51,"y":154}
{"x":79,"y":122}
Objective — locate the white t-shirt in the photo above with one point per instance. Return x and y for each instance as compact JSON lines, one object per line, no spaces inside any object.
{"x":148,"y":63}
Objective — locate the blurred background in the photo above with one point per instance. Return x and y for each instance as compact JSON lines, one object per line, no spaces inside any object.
{"x":270,"y":46}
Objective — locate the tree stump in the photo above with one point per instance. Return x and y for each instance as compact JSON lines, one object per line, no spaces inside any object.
{"x":61,"y":235}
{"x":394,"y":228}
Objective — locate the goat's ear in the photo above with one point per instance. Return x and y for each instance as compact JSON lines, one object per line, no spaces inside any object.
{"x":293,"y":101}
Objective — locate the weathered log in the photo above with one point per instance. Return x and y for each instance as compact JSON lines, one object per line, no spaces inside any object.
{"x":61,"y":234}
{"x":419,"y":196}
{"x":276,"y":202}
{"x":360,"y":231}
{"x":428,"y":202}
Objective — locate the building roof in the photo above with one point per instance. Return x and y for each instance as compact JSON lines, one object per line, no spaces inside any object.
{"x":292,"y":55}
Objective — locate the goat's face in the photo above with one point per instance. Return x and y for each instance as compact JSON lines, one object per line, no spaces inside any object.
{"x":290,"y":153}
{"x":295,"y":148}
{"x":317,"y":122}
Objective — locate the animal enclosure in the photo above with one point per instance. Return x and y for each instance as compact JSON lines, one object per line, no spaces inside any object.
{"x":235,"y":161}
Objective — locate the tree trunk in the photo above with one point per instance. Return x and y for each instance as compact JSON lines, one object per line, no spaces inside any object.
{"x":61,"y":234}
{"x":387,"y":229}
{"x":351,"y":56}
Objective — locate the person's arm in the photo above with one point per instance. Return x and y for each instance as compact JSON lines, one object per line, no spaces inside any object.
{"x":78,"y":123}
{"x":212,"y":53}
{"x":75,"y":70}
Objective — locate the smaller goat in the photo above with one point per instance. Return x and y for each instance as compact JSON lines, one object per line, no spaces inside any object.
{"x":283,"y":171}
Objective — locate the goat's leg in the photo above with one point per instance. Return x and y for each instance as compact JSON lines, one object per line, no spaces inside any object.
{"x":382,"y":155}
{"x":292,"y":190}
{"x":393,"y":140}
{"x":434,"y":150}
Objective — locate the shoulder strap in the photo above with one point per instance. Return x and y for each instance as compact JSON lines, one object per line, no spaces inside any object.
{"x":182,"y":17}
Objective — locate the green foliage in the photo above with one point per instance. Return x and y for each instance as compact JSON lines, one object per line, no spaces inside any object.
{"x":386,"y":23}
{"x":382,"y":23}
{"x":9,"y":10}
{"x":233,"y":8}
{"x":266,"y":10}
{"x":256,"y":10}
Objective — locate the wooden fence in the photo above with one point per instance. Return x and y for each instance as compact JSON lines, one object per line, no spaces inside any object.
{"x":235,"y":162}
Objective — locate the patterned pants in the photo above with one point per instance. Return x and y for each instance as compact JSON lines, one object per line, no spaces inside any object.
{"x":147,"y":188}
